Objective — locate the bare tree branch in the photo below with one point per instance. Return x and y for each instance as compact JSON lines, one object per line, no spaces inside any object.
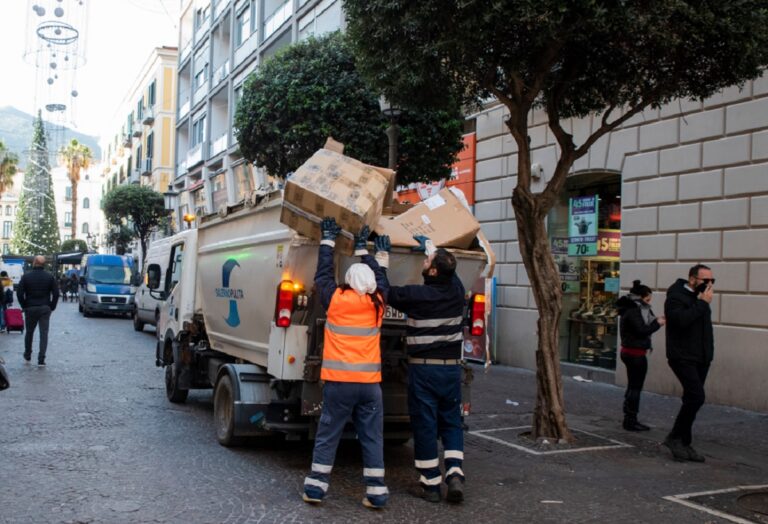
{"x":607,"y":127}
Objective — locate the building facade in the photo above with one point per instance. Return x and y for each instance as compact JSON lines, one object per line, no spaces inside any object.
{"x":221,"y":43}
{"x":9,"y":204}
{"x":90,"y":218}
{"x":673,"y":187}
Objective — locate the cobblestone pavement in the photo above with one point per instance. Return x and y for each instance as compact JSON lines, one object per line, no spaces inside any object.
{"x":91,"y":438}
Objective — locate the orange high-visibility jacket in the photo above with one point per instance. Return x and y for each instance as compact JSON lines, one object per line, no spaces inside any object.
{"x":351,"y":351}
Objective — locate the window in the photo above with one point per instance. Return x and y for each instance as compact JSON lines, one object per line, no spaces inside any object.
{"x":243,"y":25}
{"x":200,"y":67}
{"x":67,"y":237}
{"x":151,"y":93}
{"x":68,"y":193}
{"x":198,"y":131}
{"x":200,"y":77}
{"x":219,"y":191}
{"x":198,"y":197}
{"x":138,"y":158}
{"x":7,"y":229}
{"x":276,"y":15}
{"x":150,"y":145}
{"x":201,"y":15}
{"x":8,"y":211}
{"x":243,"y":180}
{"x":86,"y":203}
{"x":6,"y":249}
{"x":174,"y":270}
{"x":140,"y":109}
{"x":85,"y":228}
{"x":324,"y":18}
{"x":68,"y":219}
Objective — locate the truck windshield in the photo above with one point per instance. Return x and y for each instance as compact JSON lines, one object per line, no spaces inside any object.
{"x":110,"y":274}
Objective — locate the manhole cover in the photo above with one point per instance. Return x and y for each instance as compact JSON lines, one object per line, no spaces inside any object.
{"x":756,"y":501}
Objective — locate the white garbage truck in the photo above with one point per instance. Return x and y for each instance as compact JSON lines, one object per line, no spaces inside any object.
{"x":239,"y":315}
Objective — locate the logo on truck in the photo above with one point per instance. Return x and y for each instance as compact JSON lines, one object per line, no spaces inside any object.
{"x":233,"y":294}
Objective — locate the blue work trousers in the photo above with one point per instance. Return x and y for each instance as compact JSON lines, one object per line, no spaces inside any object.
{"x":434,"y":404}
{"x":364,"y":405}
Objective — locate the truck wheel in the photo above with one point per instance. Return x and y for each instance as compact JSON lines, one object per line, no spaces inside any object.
{"x":172,"y":390}
{"x":138,"y":325}
{"x":224,"y":412}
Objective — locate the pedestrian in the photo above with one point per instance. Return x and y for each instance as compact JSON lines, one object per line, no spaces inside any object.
{"x":38,"y":295}
{"x":638,"y":323}
{"x":690,"y":349}
{"x":351,"y":367}
{"x":63,"y":286}
{"x":434,"y":334}
{"x":73,"y":286}
{"x":6,"y":296}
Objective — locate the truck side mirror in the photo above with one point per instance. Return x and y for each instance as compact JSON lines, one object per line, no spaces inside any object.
{"x":153,"y":276}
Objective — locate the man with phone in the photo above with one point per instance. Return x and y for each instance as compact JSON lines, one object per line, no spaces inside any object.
{"x":690,"y":349}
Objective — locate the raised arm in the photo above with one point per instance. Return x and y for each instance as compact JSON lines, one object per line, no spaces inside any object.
{"x":325,"y":282}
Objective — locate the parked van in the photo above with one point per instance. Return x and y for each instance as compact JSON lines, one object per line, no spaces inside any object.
{"x":107,"y":285}
{"x":147,"y":310}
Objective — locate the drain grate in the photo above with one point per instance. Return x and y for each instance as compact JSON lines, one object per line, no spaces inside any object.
{"x":756,"y":502}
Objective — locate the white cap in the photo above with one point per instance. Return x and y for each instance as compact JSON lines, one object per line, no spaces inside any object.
{"x":360,"y":277}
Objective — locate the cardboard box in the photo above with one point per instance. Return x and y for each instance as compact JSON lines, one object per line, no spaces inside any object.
{"x":442,"y":218}
{"x":334,"y":185}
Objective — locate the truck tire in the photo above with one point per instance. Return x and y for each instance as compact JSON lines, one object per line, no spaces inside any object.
{"x":172,"y":390}
{"x":224,"y":412}
{"x":138,"y":325}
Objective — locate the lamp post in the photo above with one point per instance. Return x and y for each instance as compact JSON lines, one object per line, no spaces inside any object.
{"x":392,"y":112}
{"x":170,"y":202}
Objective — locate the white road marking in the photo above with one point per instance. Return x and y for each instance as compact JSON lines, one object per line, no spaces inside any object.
{"x":683,"y":499}
{"x":482,"y":434}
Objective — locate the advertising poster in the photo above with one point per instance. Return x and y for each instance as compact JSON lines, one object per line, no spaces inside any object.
{"x":582,"y":226}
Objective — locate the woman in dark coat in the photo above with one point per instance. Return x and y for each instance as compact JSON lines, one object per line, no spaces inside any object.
{"x":638,"y":323}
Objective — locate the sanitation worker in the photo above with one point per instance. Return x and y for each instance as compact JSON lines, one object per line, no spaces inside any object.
{"x":434,"y":335}
{"x":351,"y":368}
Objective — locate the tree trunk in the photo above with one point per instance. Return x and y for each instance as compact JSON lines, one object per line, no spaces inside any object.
{"x":73,"y":180}
{"x":143,"y":244}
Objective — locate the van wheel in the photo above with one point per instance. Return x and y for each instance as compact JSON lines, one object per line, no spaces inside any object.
{"x":138,"y":325}
{"x":80,"y":308}
{"x":224,"y":412}
{"x":172,"y":390}
{"x":86,"y":313}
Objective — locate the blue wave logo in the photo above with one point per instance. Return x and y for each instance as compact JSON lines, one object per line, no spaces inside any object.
{"x":233,"y":294}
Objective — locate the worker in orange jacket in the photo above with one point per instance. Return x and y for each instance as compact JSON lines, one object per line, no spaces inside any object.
{"x":351,"y":368}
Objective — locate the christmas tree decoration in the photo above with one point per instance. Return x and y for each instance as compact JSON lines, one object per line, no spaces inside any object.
{"x":37,"y":229}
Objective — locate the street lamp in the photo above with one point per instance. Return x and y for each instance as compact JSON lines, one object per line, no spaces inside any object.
{"x":170,"y":202}
{"x":392,"y":112}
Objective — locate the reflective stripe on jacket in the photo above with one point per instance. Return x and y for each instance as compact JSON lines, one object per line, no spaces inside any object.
{"x":351,"y":350}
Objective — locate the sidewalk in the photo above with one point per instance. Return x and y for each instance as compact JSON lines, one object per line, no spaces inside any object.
{"x":617,"y":484}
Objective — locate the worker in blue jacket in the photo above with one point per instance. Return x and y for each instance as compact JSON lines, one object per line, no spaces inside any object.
{"x":434,"y":335}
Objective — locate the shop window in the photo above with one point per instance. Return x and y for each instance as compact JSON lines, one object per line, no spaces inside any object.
{"x":584,"y":228}
{"x":243,"y":180}
{"x":219,"y":196}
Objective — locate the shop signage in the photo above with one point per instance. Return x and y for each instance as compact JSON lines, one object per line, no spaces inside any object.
{"x":609,"y":243}
{"x":582,"y":226}
{"x":559,"y":245}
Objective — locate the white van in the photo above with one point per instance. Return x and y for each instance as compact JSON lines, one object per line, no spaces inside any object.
{"x":147,"y":309}
{"x":15,"y":270}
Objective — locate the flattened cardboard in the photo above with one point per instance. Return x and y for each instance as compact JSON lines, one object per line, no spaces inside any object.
{"x":442,"y":218}
{"x":331,"y":184}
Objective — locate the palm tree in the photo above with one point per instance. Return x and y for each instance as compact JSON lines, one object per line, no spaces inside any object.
{"x":8,"y":163}
{"x":75,"y":157}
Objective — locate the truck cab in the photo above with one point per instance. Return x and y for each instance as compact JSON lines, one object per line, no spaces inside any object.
{"x":107,"y":285}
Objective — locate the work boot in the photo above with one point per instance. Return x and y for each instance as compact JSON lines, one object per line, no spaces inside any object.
{"x":310,"y":500}
{"x":370,"y":505}
{"x":693,"y":455}
{"x":455,"y":490}
{"x":631,"y":424}
{"x":678,"y":449}
{"x":428,"y":495}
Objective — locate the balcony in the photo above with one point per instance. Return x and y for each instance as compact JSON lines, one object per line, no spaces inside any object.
{"x":200,"y":93}
{"x":185,"y":50}
{"x":195,"y":155}
{"x":184,"y":105}
{"x":181,"y":169}
{"x":278,"y":17}
{"x":127,"y":140}
{"x":221,"y":74}
{"x":137,"y":129}
{"x":149,"y":116}
{"x":146,"y":166}
{"x":219,"y":7}
{"x":135,"y":177}
{"x":219,"y":145}
{"x":201,"y":31}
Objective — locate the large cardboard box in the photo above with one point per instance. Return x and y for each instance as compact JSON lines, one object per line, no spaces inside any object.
{"x":442,"y":218}
{"x":330,"y":184}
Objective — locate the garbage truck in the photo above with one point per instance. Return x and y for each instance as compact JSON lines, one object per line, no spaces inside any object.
{"x":239,"y":315}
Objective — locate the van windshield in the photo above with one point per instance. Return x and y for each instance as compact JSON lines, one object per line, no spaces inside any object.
{"x":110,"y":274}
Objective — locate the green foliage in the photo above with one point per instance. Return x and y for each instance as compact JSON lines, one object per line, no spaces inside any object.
{"x":36,"y":230}
{"x":120,"y":237}
{"x":74,"y":244}
{"x":585,"y":56}
{"x":9,"y":162}
{"x":140,"y":206}
{"x":313,"y":90}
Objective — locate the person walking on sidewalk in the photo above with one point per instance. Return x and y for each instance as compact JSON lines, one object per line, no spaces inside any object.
{"x":434,"y":335}
{"x":690,"y":349}
{"x":638,"y":323}
{"x":6,"y":297}
{"x":38,"y":294}
{"x":351,"y":366}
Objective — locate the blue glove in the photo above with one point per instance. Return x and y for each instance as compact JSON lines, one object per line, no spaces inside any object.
{"x":329,"y":229}
{"x":382,"y":244}
{"x":422,"y":247}
{"x":361,"y":239}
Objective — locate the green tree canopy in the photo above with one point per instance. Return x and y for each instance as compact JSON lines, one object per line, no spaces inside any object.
{"x":572,"y":59}
{"x":74,"y":244}
{"x":313,"y":90}
{"x":9,"y":162}
{"x":140,"y":207}
{"x":120,"y":237}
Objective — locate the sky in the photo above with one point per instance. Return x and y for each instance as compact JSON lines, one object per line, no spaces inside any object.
{"x":119,"y":38}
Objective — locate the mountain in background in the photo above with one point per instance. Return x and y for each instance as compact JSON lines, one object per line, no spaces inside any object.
{"x":16,"y":134}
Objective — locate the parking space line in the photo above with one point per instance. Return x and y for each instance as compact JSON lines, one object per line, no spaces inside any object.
{"x":683,"y":499}
{"x":482,"y":433}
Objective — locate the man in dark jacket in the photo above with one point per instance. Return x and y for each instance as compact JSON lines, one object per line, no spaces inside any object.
{"x":434,"y":335}
{"x":690,"y":349}
{"x":38,"y":295}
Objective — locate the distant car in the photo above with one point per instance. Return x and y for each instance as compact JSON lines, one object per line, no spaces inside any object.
{"x":107,"y":285}
{"x":148,"y":304}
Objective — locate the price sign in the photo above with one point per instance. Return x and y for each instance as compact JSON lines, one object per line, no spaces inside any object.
{"x":582,"y":226}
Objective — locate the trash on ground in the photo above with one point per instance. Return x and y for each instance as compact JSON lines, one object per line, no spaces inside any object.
{"x":512,"y":403}
{"x":579,"y":378}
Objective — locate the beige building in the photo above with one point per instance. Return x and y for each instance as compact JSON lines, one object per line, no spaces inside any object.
{"x":9,"y":204}
{"x":682,"y":185}
{"x":90,"y":218}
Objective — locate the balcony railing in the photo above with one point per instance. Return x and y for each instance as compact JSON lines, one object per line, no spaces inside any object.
{"x":200,"y":32}
{"x":149,"y":116}
{"x":221,"y":73}
{"x":278,"y":17}
{"x":219,"y":7}
{"x":185,"y":50}
{"x":146,"y":166}
{"x":127,"y":140}
{"x":184,"y":105}
{"x":135,"y":177}
{"x":219,"y":145}
{"x":200,"y":93}
{"x":137,"y":129}
{"x":181,"y":169}
{"x":195,"y":155}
